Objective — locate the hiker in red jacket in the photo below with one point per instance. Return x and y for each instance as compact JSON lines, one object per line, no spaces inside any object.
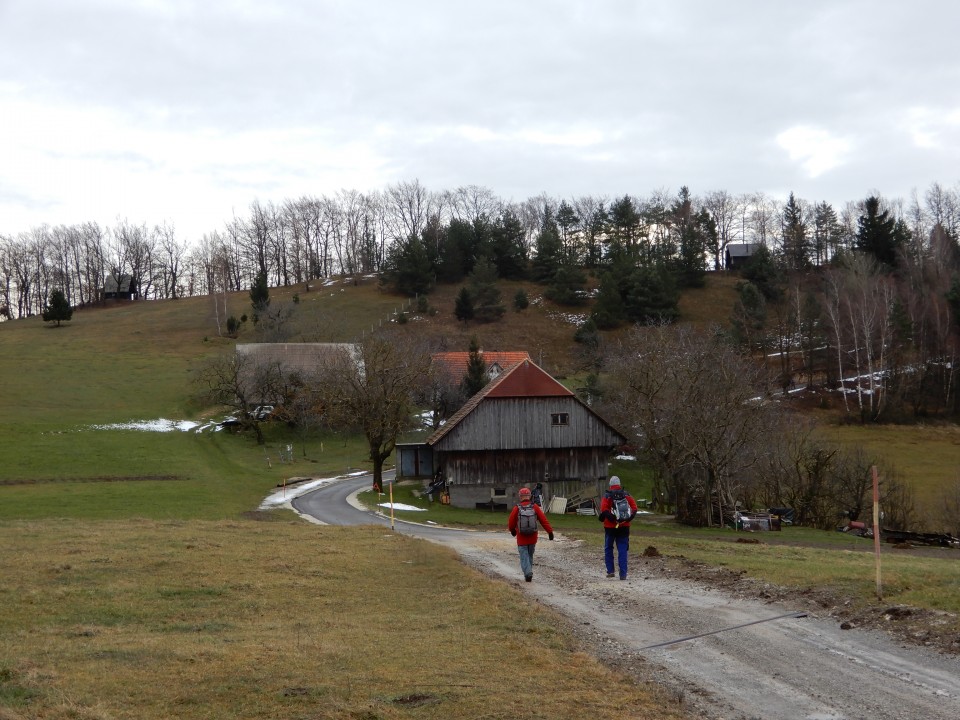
{"x":616,"y":526}
{"x":523,"y":526}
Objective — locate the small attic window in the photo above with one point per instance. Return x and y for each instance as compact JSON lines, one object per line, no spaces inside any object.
{"x":558,"y":419}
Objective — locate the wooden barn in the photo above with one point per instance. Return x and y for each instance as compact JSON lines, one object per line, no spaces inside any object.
{"x":523,"y":428}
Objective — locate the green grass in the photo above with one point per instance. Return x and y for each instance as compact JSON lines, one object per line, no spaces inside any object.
{"x":925,"y":457}
{"x":155,"y":619}
{"x":838,"y":563}
{"x":124,"y":473}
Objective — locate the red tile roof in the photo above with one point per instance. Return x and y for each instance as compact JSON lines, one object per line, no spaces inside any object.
{"x":455,"y":363}
{"x":526,"y":380}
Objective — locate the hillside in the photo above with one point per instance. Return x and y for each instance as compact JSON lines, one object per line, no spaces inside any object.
{"x":131,"y":361}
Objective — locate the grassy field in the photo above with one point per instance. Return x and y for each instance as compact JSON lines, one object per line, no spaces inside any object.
{"x":926,"y":457}
{"x":157,"y":619}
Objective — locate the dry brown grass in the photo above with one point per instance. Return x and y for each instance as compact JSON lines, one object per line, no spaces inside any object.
{"x":712,"y":304}
{"x":143,"y":619}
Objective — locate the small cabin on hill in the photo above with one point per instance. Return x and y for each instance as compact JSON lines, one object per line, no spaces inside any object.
{"x":738,"y":254}
{"x":119,"y":287}
{"x":523,"y":428}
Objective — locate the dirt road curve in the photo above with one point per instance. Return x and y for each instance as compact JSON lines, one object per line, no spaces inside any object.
{"x":790,"y":667}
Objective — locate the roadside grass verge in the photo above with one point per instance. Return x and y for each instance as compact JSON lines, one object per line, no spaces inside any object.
{"x":803,"y":560}
{"x":197,"y":619}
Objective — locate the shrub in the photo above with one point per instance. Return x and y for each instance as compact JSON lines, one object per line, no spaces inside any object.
{"x":520,"y":300}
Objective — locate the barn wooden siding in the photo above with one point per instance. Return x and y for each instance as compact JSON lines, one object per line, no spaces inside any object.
{"x":518,"y":423}
{"x":514,"y":468}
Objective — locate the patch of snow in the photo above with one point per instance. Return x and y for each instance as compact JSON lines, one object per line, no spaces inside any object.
{"x":401,"y":506}
{"x":572,"y":318}
{"x":159,"y":425}
{"x":625,"y":457}
{"x":282,"y":496}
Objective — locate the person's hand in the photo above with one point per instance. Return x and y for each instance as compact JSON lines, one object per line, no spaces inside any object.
{"x":513,"y":532}
{"x":550,"y":535}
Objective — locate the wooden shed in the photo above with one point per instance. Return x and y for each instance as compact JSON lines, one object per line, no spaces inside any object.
{"x":738,"y":254}
{"x":523,"y":428}
{"x":119,"y":287}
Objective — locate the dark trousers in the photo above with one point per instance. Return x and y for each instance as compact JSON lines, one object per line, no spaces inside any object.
{"x":619,"y":538}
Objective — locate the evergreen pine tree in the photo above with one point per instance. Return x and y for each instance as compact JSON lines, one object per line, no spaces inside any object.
{"x":463,"y":308}
{"x":762,"y":270}
{"x":567,"y":220}
{"x":520,"y":300}
{"x":879,"y":234}
{"x":454,"y":257}
{"x":796,"y":244}
{"x":259,"y":296}
{"x":486,"y":295}
{"x":58,"y":309}
{"x":548,"y":253}
{"x":608,"y":311}
{"x":651,"y":296}
{"x":827,"y":233}
{"x":409,"y":270}
{"x":476,"y":377}
{"x":749,"y":316}
{"x":567,"y":286}
{"x":508,"y":246}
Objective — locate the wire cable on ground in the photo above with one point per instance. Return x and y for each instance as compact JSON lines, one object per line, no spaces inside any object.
{"x":735,"y":627}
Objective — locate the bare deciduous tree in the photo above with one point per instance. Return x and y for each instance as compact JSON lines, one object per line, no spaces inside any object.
{"x":693,"y":403}
{"x":726,"y":211}
{"x":373,"y":391}
{"x":239,"y":382}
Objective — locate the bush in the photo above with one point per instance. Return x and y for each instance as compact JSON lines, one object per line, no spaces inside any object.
{"x":520,"y":300}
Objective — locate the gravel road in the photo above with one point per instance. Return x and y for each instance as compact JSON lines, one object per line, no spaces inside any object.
{"x":718,"y":654}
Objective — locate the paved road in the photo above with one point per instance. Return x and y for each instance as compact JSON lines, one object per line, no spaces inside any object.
{"x":737,"y":662}
{"x":332,"y":504}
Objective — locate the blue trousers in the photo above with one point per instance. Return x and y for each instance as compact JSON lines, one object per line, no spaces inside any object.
{"x":526,"y":558}
{"x":619,"y":537}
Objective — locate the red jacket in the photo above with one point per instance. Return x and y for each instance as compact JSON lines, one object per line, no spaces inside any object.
{"x":515,"y":517}
{"x":606,"y":506}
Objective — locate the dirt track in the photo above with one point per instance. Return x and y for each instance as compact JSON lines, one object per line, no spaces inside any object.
{"x":791,"y":667}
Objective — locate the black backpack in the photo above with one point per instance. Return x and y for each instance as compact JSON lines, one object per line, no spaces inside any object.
{"x":620,"y":507}
{"x":527,"y":519}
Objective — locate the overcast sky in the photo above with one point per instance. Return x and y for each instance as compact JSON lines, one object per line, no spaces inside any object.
{"x":181,"y":111}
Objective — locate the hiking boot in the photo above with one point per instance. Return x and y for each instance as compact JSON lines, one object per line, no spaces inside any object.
{"x":623,"y":577}
{"x":528,"y":578}
{"x":609,"y":575}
